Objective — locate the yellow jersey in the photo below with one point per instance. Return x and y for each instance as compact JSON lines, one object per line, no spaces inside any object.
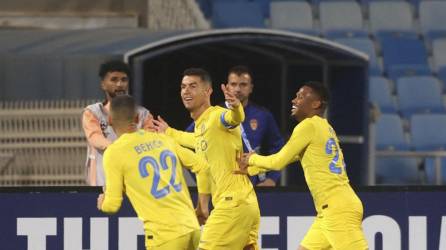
{"x":217,"y":138}
{"x":148,"y":168}
{"x":315,"y":144}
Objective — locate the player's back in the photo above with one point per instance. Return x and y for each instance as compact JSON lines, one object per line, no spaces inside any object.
{"x":323,"y":161}
{"x":155,"y":184}
{"x":220,"y":146}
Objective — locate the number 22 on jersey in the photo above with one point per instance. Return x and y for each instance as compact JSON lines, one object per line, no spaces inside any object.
{"x":160,"y":166}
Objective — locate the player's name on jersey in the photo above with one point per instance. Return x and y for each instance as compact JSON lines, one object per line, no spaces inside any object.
{"x":140,"y":148}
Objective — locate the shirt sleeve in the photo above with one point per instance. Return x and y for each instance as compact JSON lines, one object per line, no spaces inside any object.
{"x":231,"y":118}
{"x":114,"y":183}
{"x":198,"y":165}
{"x":185,"y":139}
{"x":299,"y":140}
{"x":93,"y":132}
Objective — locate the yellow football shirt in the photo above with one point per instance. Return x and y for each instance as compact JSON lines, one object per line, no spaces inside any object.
{"x":315,"y":144}
{"x":217,"y":138}
{"x":148,"y":168}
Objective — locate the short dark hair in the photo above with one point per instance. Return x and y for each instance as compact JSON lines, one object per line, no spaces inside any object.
{"x":239,"y":70}
{"x":203,"y":74}
{"x":113,"y":66}
{"x":321,"y":90}
{"x":123,"y":108}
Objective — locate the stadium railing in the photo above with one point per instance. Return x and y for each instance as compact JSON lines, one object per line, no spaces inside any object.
{"x":374,"y":154}
{"x":42,"y":143}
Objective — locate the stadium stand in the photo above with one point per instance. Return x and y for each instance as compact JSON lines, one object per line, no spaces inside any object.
{"x":405,"y":41}
{"x":42,"y":143}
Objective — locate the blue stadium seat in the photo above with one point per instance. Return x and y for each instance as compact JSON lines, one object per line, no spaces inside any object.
{"x":428,"y":131}
{"x":397,"y":171}
{"x":404,"y":56}
{"x":365,"y":45}
{"x":419,"y":94}
{"x":293,"y":15}
{"x":439,"y":58}
{"x":429,"y":167}
{"x":341,"y":19}
{"x":264,"y":6}
{"x":432,"y":19}
{"x":390,"y":133}
{"x":237,"y":14}
{"x":391,"y":16}
{"x":380,"y":94}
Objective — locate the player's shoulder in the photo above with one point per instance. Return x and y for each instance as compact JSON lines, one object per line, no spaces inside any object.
{"x":307,"y":122}
{"x":95,"y":108}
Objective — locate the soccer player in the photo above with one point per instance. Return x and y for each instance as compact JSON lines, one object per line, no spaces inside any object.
{"x":114,"y":81}
{"x":314,"y":142}
{"x":234,"y":221}
{"x":259,"y":129}
{"x":148,"y":168}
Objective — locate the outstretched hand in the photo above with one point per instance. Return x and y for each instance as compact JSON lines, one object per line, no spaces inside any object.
{"x":243,"y":163}
{"x":159,"y":125}
{"x":230,"y":98}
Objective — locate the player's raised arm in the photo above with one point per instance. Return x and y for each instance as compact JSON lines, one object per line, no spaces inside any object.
{"x":236,"y":114}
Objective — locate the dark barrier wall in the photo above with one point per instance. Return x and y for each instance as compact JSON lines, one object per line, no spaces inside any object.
{"x":395,"y":219}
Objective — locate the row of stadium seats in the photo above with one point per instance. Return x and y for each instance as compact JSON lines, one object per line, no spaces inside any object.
{"x":406,"y":44}
{"x":425,"y":133}
{"x":400,"y":55}
{"x":395,"y":46}
{"x":331,"y":18}
{"x":414,"y":94}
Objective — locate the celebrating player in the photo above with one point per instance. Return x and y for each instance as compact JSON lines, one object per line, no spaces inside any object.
{"x":315,"y":144}
{"x":148,"y":168}
{"x":234,"y":222}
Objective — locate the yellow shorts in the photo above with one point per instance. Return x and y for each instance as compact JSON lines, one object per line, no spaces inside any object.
{"x":185,"y":242}
{"x":231,"y":228}
{"x":337,"y":226}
